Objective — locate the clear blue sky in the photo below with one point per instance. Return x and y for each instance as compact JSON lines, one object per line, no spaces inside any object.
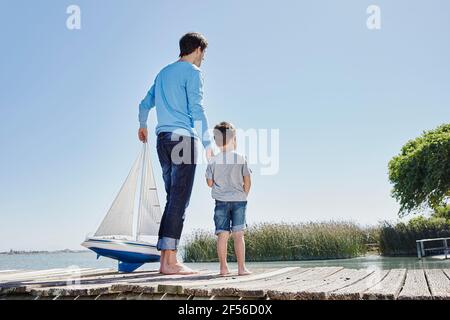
{"x":344,"y":98}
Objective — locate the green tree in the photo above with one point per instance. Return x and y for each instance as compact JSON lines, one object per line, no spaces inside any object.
{"x":442,"y":212}
{"x":420,"y":174}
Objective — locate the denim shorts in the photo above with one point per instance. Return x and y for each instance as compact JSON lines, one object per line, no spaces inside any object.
{"x":230,"y":216}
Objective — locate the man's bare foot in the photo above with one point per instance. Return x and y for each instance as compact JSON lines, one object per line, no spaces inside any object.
{"x":161,"y":261}
{"x":224,"y":272}
{"x":178,"y":268}
{"x":244,"y":272}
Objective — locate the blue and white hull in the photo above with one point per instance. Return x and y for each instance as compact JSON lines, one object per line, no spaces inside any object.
{"x":130,"y":254}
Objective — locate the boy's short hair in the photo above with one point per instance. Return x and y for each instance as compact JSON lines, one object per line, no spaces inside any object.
{"x":223,"y":133}
{"x":190,"y":42}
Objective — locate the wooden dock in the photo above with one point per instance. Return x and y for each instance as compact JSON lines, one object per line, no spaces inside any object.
{"x":332,"y":283}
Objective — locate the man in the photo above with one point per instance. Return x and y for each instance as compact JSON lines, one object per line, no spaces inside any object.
{"x":177,"y":93}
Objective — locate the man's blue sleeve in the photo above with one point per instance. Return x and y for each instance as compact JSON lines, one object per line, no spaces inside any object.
{"x":145,"y":106}
{"x":194,"y":88}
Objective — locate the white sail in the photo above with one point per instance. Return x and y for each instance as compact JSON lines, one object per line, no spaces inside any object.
{"x":119,"y":219}
{"x":149,"y":216}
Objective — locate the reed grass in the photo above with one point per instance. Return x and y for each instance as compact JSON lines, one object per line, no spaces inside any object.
{"x":285,"y":242}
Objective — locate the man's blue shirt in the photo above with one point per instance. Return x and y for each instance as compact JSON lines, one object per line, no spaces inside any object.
{"x":177,"y":94}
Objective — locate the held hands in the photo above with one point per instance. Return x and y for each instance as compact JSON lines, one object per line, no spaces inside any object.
{"x":143,"y":134}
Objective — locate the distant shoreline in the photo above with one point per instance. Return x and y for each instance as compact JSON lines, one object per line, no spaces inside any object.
{"x":15,"y":252}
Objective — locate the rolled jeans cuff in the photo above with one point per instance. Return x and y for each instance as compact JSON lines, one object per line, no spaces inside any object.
{"x":166,"y":243}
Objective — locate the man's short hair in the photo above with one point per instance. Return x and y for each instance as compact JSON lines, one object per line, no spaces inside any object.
{"x":190,"y":42}
{"x":224,"y":132}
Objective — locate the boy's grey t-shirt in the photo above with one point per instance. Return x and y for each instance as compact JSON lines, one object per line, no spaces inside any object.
{"x":227,"y":170}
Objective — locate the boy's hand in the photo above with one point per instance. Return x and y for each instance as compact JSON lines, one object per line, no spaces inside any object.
{"x":247,"y":184}
{"x":209,"y":153}
{"x":143,"y":134}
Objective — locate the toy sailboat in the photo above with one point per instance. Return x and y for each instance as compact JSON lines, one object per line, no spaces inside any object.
{"x":115,"y":237}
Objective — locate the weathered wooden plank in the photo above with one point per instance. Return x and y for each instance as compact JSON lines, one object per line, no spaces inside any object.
{"x":17,"y":297}
{"x":258,"y":289}
{"x":109,"y":274}
{"x":286,"y":283}
{"x":62,"y":279}
{"x":438,"y":283}
{"x":116,"y":276}
{"x":133,"y":278}
{"x":157,"y":283}
{"x":415,"y":287}
{"x":173,"y":287}
{"x":355,"y":291}
{"x":204,"y":289}
{"x":18,"y":281}
{"x":389,"y":288}
{"x":54,"y":275}
{"x":332,"y":283}
{"x":308,"y":279}
{"x":220,"y":281}
{"x":447,"y":272}
{"x":3,"y":272}
{"x":85,"y":276}
{"x":229,"y":282}
{"x":138,"y":288}
{"x":255,"y":288}
{"x":74,"y":275}
{"x":312,"y":275}
{"x":29,"y":273}
{"x":305,"y":289}
{"x":96,"y":285}
{"x":72,"y":291}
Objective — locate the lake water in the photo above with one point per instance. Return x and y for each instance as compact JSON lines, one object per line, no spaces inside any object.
{"x":87,"y":259}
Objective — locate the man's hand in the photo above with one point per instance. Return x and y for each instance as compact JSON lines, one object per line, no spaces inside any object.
{"x":143,"y":134}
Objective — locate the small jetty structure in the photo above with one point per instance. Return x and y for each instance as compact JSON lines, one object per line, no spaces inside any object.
{"x":422,"y":250}
{"x":291,"y":283}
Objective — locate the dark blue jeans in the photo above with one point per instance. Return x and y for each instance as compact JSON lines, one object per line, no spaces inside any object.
{"x":177,"y":155}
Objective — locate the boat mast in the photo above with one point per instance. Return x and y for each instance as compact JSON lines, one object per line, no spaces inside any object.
{"x":142,"y":192}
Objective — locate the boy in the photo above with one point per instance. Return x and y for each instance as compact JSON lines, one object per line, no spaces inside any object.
{"x":229,"y":177}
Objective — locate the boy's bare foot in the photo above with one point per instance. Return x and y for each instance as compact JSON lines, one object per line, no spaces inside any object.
{"x":244,"y":272}
{"x":178,"y":268}
{"x":224,"y":272}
